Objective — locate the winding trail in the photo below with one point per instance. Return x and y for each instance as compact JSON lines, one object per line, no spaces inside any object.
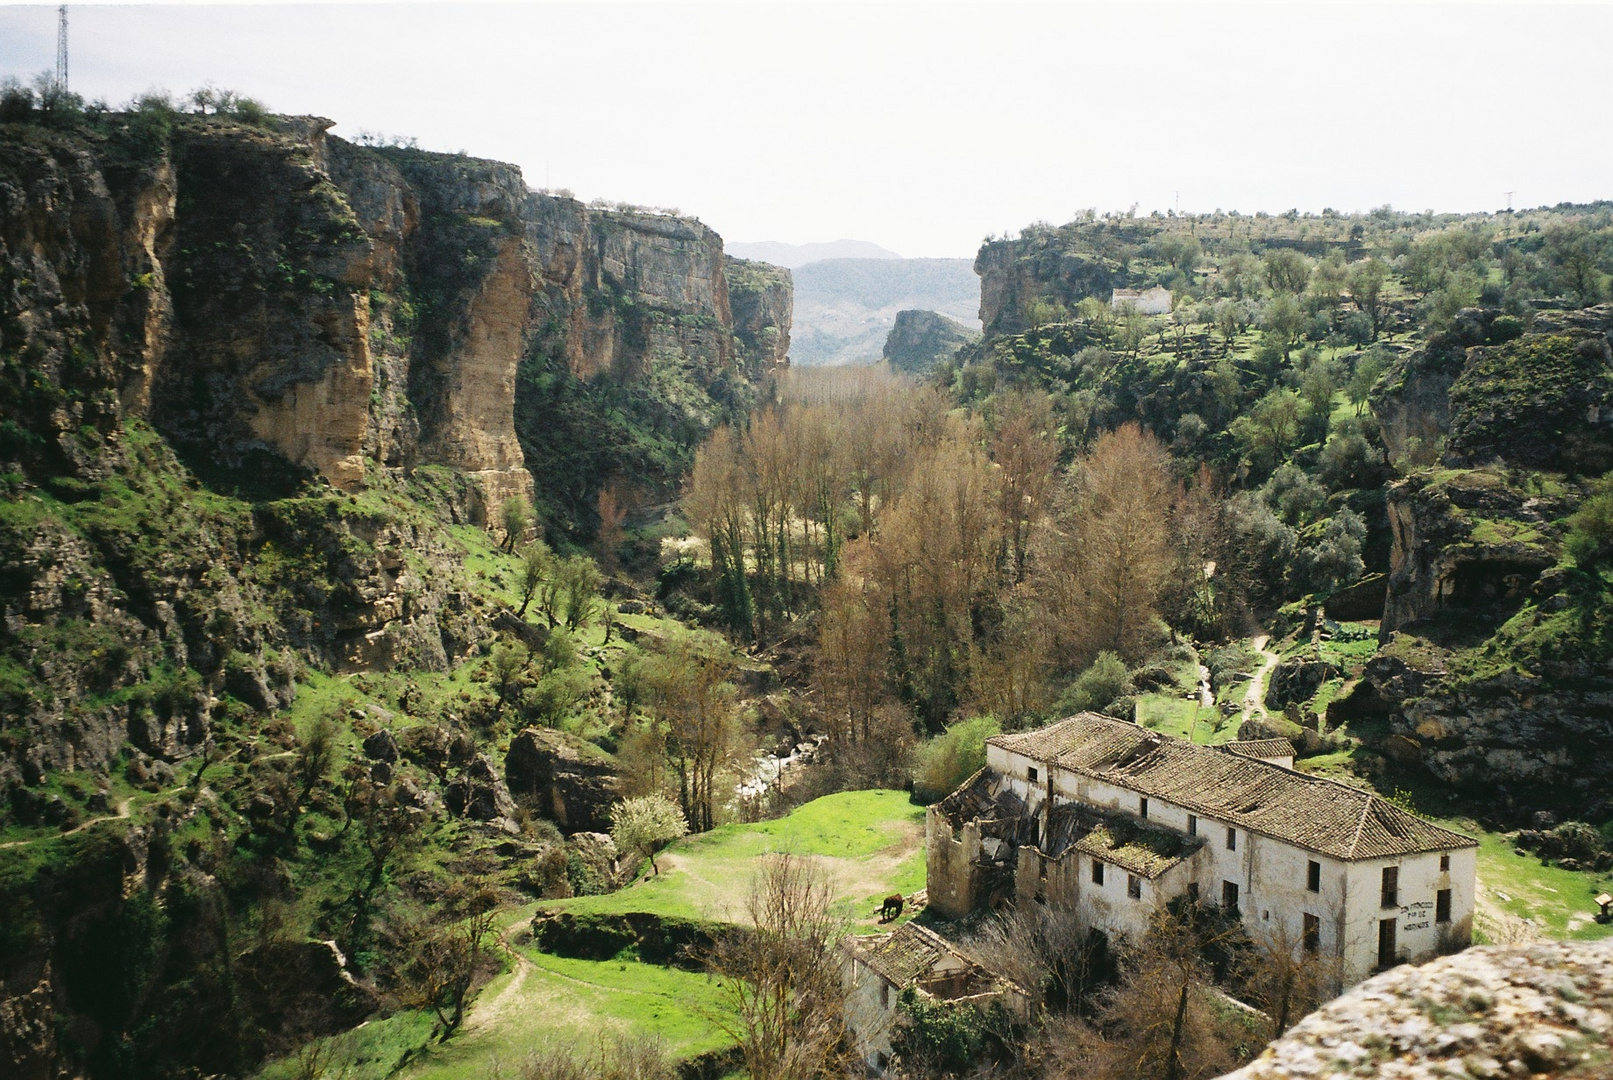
{"x":123,"y":812}
{"x":1254,"y":698}
{"x":490,"y":1012}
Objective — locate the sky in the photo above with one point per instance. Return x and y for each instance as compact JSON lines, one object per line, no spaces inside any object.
{"x":920,"y":127}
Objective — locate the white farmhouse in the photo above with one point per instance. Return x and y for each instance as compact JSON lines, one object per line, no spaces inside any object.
{"x":1155,"y":301}
{"x":1112,"y":819}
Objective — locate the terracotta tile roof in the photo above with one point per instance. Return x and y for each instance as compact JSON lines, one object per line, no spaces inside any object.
{"x":1049,"y":742}
{"x":1115,"y":838}
{"x":1308,"y":811}
{"x":906,"y":953}
{"x":1145,"y":852}
{"x":1261,"y":748}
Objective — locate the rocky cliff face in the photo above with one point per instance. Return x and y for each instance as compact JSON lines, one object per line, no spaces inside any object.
{"x":921,"y":339}
{"x":1013,"y":273}
{"x":761,"y":298}
{"x":276,"y":306}
{"x":281,"y":299}
{"x":1538,"y":1010}
{"x":1495,"y":669}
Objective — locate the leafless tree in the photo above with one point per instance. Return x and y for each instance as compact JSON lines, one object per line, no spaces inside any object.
{"x":1163,"y":1021}
{"x":784,"y":1002}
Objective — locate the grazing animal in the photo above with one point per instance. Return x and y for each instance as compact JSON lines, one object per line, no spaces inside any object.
{"x":891,"y":908}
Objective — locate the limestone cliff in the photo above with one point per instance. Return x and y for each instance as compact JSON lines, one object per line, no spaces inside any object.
{"x":275,"y":299}
{"x":195,"y":306}
{"x":761,"y":299}
{"x":1060,"y":266}
{"x":921,"y":339}
{"x":1495,"y":669}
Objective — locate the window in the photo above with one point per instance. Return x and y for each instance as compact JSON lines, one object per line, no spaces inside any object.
{"x":1391,"y":887}
{"x":1192,"y":892}
{"x":1442,"y":906}
{"x":1041,"y":867}
{"x":1386,"y":943}
{"x":1232,"y":839}
{"x":1031,"y":772}
{"x":1192,"y":824}
{"x":1229,"y":895}
{"x":884,"y":995}
{"x":1313,"y":933}
{"x":1097,"y":872}
{"x":1444,"y":864}
{"x":1134,"y":886}
{"x":1142,"y":806}
{"x":1313,"y":876}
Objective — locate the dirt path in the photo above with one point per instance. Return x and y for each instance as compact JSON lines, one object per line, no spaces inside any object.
{"x":1500,"y":926}
{"x":490,"y":1012}
{"x":1254,"y":698}
{"x":123,"y":812}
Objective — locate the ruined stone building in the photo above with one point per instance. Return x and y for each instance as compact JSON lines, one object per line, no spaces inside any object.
{"x":879,"y":968}
{"x":1113,"y":820}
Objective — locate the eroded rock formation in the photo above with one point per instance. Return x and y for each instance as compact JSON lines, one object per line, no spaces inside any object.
{"x":281,"y":298}
{"x":921,"y":339}
{"x":1541,"y":1010}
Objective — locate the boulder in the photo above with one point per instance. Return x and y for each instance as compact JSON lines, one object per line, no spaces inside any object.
{"x":479,"y":794}
{"x":566,"y":779}
{"x":1540,"y":1010}
{"x":1359,"y":602}
{"x":1403,"y":749}
{"x":1296,"y":680}
{"x":436,"y":748}
{"x":381,"y":746}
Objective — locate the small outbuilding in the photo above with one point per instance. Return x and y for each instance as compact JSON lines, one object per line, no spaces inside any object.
{"x":878,"y":968}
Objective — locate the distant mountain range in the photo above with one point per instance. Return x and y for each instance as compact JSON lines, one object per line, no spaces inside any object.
{"x":794,"y":255}
{"x":844,"y":308}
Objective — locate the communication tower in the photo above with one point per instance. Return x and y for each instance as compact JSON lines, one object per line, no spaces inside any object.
{"x":61,"y":49}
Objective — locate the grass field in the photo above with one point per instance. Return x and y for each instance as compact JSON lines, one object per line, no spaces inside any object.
{"x":1172,"y":714}
{"x":868,"y":844}
{"x":539,"y":1000}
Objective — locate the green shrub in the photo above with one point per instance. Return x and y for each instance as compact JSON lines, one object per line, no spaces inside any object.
{"x":1102,"y":688}
{"x":952,"y":757}
{"x":1590,"y":532}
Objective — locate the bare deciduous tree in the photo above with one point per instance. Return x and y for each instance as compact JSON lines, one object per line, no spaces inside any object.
{"x":781,"y":982}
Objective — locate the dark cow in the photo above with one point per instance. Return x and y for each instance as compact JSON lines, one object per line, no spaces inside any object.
{"x":891,"y":908}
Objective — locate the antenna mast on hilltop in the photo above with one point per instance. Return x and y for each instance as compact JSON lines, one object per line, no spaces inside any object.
{"x":61,"y":49}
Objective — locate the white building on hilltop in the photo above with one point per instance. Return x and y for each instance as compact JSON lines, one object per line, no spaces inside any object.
{"x":1155,"y":301}
{"x":1112,"y":819}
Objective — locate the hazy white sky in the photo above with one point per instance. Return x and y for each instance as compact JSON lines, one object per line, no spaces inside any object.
{"x":921,"y":127}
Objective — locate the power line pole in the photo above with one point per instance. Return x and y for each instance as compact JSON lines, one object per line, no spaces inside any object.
{"x":61,"y":49}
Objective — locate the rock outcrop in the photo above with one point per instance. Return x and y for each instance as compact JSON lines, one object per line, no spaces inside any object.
{"x":1040,"y":265}
{"x":565,"y":779}
{"x":1465,"y":542}
{"x":922,"y":339}
{"x":1492,"y":671}
{"x":276,"y":298}
{"x":1541,"y":1010}
{"x":761,"y":298}
{"x":28,"y":1047}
